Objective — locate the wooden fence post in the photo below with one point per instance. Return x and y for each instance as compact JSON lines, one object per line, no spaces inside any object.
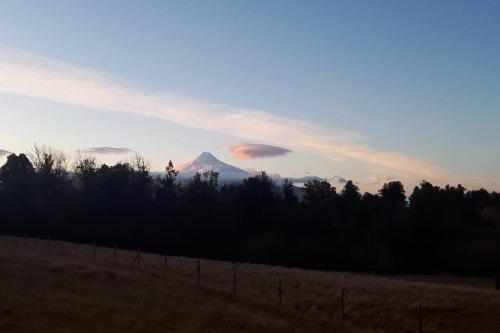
{"x":234,"y":281}
{"x":342,"y":304}
{"x":165,"y":265}
{"x":279,"y":293}
{"x":137,"y":257}
{"x":419,"y":311}
{"x":198,"y":273}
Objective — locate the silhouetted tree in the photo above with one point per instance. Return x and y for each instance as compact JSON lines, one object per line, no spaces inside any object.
{"x":350,"y":193}
{"x":201,"y":195}
{"x":289,"y":198}
{"x":17,"y":192}
{"x":440,"y":229}
{"x":52,"y":173}
{"x":425,"y":203}
{"x":319,"y":194}
{"x":17,"y":178}
{"x":393,"y":195}
{"x":256,"y":198}
{"x":167,"y":190}
{"x":321,"y":201}
{"x":351,"y":199}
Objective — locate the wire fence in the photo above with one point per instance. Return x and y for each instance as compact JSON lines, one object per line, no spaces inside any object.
{"x":271,"y":288}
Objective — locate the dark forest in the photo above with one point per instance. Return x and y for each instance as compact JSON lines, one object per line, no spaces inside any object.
{"x":432,"y":229}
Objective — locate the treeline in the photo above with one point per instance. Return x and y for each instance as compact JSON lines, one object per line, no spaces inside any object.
{"x":433,"y":230}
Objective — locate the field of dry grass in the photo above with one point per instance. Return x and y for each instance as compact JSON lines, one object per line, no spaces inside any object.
{"x":60,"y":289}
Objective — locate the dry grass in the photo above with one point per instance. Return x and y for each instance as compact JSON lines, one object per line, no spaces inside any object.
{"x":57,"y":289}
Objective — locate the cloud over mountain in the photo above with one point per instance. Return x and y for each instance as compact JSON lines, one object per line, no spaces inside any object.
{"x":107,"y":150}
{"x":254,"y":150}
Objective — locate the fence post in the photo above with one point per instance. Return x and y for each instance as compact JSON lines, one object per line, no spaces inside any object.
{"x":198,"y":273}
{"x":165,"y":267}
{"x":234,"y":281}
{"x":279,"y":294}
{"x":419,"y":310}
{"x":138,"y":256}
{"x":342,"y":304}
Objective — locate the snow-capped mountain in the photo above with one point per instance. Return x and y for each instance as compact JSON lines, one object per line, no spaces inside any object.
{"x":230,"y":174}
{"x":206,"y":162}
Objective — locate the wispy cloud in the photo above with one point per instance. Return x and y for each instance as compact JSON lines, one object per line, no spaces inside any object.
{"x":256,"y":150}
{"x":4,"y":152}
{"x":35,"y":76}
{"x":107,"y":150}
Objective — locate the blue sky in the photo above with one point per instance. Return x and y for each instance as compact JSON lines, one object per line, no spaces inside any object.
{"x":393,"y":87}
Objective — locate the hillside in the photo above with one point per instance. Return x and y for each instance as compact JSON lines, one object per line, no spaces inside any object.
{"x":63,"y":288}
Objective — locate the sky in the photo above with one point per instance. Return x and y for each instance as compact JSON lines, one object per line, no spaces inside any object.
{"x":368,"y":91}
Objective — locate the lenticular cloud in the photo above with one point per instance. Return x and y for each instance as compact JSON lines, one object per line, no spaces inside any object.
{"x":107,"y":150}
{"x":254,"y":150}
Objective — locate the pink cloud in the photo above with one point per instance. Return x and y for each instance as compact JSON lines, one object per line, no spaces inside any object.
{"x":247,"y":151}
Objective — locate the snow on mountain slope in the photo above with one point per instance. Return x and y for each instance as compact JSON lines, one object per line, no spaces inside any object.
{"x":206,"y":162}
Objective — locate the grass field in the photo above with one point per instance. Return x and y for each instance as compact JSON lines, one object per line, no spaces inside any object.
{"x":57,"y":289}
